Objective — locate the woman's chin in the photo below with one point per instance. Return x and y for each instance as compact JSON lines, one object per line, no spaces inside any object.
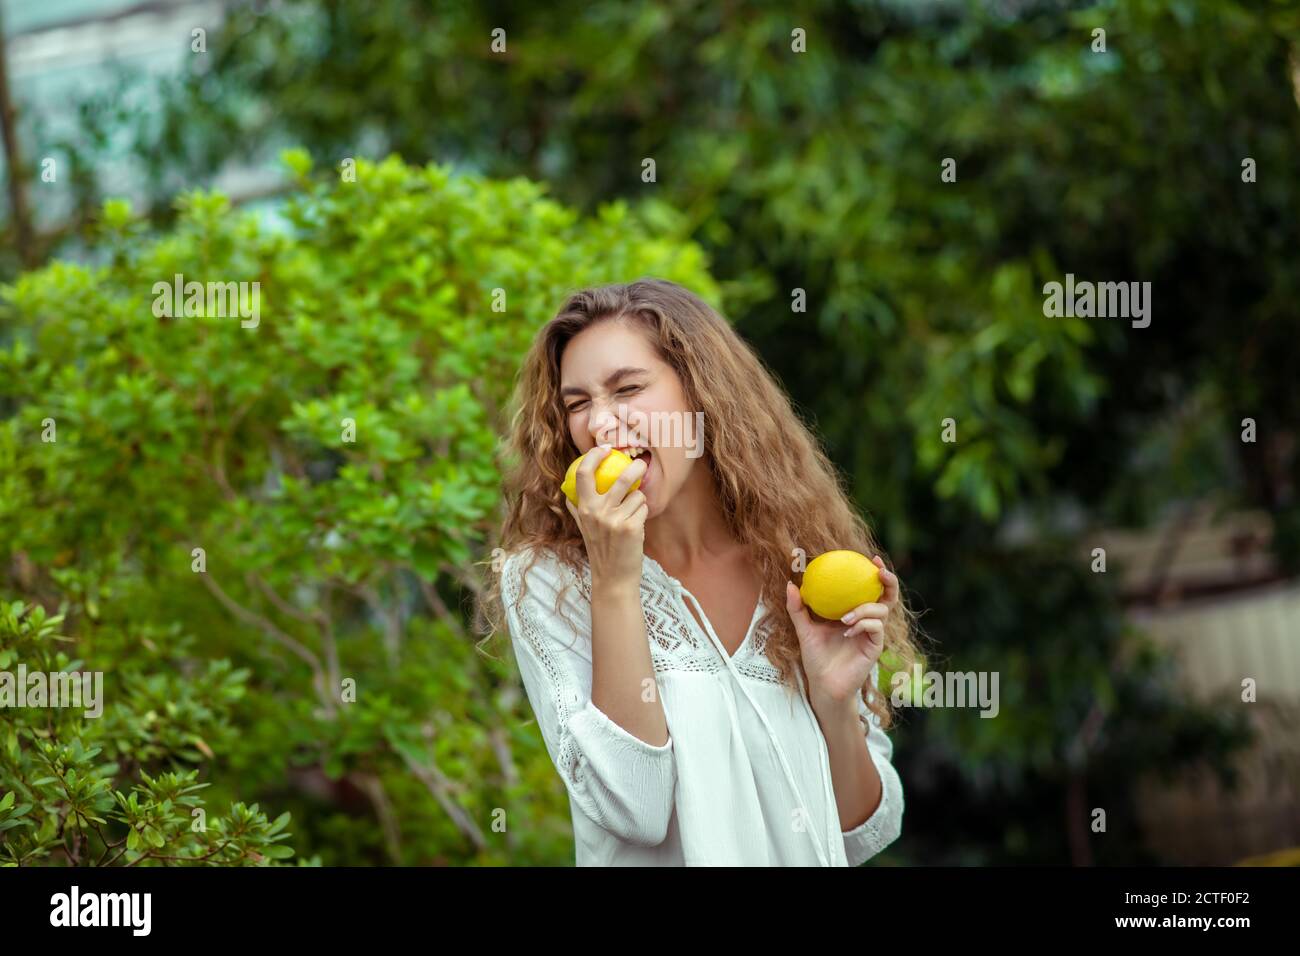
{"x":653,"y":508}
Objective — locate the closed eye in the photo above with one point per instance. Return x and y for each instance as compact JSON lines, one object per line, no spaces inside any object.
{"x":625,"y":390}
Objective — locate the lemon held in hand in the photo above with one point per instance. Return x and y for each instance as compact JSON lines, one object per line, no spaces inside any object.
{"x":836,"y":582}
{"x":607,"y":472}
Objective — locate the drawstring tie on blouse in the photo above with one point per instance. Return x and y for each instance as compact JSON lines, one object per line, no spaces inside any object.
{"x":780,"y":753}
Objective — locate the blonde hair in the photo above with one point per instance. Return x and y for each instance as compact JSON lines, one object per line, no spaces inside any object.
{"x":777,"y":488}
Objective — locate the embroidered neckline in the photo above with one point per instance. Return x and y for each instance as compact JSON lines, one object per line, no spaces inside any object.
{"x":750,"y":658}
{"x":677,"y":641}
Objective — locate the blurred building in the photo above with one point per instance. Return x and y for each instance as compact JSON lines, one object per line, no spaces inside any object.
{"x":61,"y":52}
{"x":1206,"y":588}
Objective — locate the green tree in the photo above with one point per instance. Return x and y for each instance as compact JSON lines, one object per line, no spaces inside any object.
{"x":305,"y":495}
{"x":59,"y":766}
{"x":821,"y":171}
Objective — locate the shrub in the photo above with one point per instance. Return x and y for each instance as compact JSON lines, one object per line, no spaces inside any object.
{"x":292,"y":509}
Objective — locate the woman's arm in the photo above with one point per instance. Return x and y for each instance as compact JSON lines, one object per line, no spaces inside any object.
{"x":868,"y":790}
{"x":616,"y":778}
{"x":857,"y":784}
{"x":613,"y":531}
{"x":623,"y":682}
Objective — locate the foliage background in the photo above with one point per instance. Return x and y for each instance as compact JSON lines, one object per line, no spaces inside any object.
{"x":775,"y":171}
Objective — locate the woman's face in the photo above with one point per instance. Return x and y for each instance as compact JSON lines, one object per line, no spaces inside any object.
{"x":616,"y":390}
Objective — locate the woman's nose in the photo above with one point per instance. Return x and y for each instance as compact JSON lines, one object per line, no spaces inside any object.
{"x":603,"y":423}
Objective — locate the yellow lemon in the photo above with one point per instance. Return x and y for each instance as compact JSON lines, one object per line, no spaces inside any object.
{"x":836,"y":582}
{"x":607,"y":472}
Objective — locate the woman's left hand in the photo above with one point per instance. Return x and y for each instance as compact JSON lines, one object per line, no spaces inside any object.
{"x":838,"y":655}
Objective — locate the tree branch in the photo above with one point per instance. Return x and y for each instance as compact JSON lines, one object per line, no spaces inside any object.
{"x":438,"y":784}
{"x":280,"y":637}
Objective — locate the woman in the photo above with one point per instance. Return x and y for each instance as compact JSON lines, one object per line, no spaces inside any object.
{"x":698,"y":713}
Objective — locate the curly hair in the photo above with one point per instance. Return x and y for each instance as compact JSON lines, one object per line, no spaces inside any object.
{"x":779,"y":491}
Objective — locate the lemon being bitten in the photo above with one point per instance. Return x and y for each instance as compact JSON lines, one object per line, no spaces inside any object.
{"x":836,"y":582}
{"x":607,"y":472}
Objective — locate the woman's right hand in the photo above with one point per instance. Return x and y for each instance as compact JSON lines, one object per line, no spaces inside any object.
{"x":612,"y":524}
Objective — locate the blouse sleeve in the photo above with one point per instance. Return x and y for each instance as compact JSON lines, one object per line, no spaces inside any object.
{"x":884,"y":826}
{"x":621,"y":782}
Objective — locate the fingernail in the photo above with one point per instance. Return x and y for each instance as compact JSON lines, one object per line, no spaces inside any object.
{"x":847,"y":618}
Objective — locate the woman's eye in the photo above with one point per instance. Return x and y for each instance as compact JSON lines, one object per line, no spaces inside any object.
{"x":625,"y":390}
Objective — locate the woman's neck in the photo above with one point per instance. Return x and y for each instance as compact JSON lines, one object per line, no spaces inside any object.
{"x":692,"y":528}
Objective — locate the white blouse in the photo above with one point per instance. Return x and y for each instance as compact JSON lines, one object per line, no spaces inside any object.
{"x":744,"y":778}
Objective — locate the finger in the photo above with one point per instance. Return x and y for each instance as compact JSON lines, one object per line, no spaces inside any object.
{"x":870,"y":645}
{"x":866,"y":610}
{"x":633,"y":472}
{"x":585,"y":479}
{"x":794,"y":607}
{"x":868,"y":625}
{"x":633,"y":501}
{"x":888,"y":581}
{"x":572,"y":510}
{"x":639,"y":516}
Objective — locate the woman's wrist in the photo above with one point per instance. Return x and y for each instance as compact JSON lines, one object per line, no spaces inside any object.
{"x":614,"y":587}
{"x":834,"y":712}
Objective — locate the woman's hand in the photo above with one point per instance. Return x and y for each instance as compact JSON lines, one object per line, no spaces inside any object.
{"x":838,"y":659}
{"x":612,"y":524}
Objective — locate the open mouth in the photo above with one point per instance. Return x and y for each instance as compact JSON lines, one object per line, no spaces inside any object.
{"x":643,"y":454}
